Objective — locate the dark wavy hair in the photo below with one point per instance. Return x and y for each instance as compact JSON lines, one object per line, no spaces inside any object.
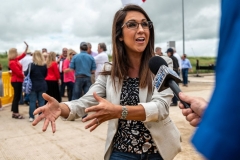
{"x":120,"y":61}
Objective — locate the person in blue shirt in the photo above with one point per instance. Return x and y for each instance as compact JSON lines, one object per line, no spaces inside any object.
{"x":218,"y":134}
{"x":186,"y":66}
{"x":84,"y":65}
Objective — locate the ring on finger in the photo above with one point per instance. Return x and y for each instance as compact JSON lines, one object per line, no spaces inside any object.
{"x":97,"y":121}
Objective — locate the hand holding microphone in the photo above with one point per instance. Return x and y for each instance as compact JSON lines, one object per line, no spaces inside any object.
{"x":165,"y":77}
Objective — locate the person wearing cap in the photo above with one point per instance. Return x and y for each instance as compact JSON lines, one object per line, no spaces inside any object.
{"x":84,"y":65}
{"x":186,"y":66}
{"x":170,"y":52}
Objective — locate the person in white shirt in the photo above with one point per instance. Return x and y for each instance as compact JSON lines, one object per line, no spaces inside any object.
{"x":175,"y":54}
{"x":101,"y":58}
{"x":26,"y":61}
{"x":158,"y":51}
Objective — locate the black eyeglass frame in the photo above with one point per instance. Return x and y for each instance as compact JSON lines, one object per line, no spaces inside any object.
{"x":150,"y":24}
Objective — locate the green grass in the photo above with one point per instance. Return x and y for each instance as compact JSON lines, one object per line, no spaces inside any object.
{"x":4,"y":62}
{"x":203,"y":61}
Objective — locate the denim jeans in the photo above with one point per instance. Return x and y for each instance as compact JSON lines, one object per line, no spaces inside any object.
{"x":116,"y":155}
{"x":69,"y":90}
{"x":81,"y":86}
{"x":185,"y":76}
{"x":33,"y":97}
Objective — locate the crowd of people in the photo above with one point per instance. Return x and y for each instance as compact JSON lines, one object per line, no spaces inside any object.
{"x":51,"y":74}
{"x":139,"y":126}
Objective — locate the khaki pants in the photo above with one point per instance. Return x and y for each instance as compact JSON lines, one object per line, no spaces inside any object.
{"x":93,"y":78}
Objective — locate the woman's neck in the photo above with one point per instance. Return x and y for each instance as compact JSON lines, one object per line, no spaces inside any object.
{"x":135,"y":61}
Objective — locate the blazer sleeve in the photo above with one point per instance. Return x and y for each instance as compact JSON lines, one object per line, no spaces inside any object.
{"x":157,"y":108}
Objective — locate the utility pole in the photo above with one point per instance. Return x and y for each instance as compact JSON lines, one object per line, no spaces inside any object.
{"x":183,"y":26}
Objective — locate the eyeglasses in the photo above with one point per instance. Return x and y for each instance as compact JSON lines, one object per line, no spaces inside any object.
{"x":134,"y":25}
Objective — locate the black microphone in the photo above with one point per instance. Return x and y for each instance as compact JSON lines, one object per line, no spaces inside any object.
{"x":165,"y":77}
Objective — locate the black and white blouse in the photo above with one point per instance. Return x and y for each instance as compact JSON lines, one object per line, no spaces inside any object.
{"x":132,"y":136}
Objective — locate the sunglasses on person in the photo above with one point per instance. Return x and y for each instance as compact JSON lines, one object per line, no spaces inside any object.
{"x":134,"y":25}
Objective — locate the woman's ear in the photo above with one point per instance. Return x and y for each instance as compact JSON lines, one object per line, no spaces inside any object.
{"x":121,"y":39}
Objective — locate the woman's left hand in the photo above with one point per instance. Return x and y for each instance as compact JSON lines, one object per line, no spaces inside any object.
{"x":103,"y":111}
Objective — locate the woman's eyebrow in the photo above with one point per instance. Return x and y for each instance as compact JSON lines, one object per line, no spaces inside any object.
{"x":134,"y":20}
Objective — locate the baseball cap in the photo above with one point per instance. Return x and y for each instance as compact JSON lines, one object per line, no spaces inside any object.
{"x":170,"y":50}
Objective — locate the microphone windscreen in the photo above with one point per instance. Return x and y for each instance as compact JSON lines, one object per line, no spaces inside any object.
{"x":155,"y":63}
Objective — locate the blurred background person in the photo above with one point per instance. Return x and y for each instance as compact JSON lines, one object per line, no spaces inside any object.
{"x":186,"y":66}
{"x":45,"y":56}
{"x":101,"y":58}
{"x":38,"y":72}
{"x":68,"y":74}
{"x":158,"y":51}
{"x":53,"y":77}
{"x":60,"y":61}
{"x":175,"y":54}
{"x":84,"y":65}
{"x":44,"y":50}
{"x":175,"y":68}
{"x":89,"y":51}
{"x":25,"y":62}
{"x":16,"y":78}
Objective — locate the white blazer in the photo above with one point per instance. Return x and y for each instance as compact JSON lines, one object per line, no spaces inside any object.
{"x":164,"y":133}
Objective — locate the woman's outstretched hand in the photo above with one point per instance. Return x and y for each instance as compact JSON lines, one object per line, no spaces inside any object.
{"x":49,"y":112}
{"x":102,"y":112}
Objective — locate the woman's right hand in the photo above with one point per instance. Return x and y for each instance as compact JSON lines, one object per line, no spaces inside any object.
{"x":49,"y":112}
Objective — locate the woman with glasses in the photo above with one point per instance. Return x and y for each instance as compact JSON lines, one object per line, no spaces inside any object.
{"x":68,"y":74}
{"x":139,"y":126}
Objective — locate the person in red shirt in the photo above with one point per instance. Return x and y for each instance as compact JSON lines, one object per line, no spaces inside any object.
{"x":68,"y":76}
{"x":16,"y":79}
{"x":53,"y":77}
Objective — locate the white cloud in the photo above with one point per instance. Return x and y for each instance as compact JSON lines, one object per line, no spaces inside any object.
{"x":55,"y":24}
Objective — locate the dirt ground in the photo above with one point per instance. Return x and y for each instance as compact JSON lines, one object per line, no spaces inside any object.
{"x":20,"y":140}
{"x":198,"y":86}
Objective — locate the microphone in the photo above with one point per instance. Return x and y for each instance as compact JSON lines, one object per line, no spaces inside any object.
{"x":165,"y":77}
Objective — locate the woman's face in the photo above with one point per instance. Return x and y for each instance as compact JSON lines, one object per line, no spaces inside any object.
{"x":135,"y":39}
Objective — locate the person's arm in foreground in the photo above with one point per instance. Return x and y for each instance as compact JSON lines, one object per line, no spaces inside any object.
{"x":51,"y":111}
{"x":103,"y":111}
{"x":198,"y":106}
